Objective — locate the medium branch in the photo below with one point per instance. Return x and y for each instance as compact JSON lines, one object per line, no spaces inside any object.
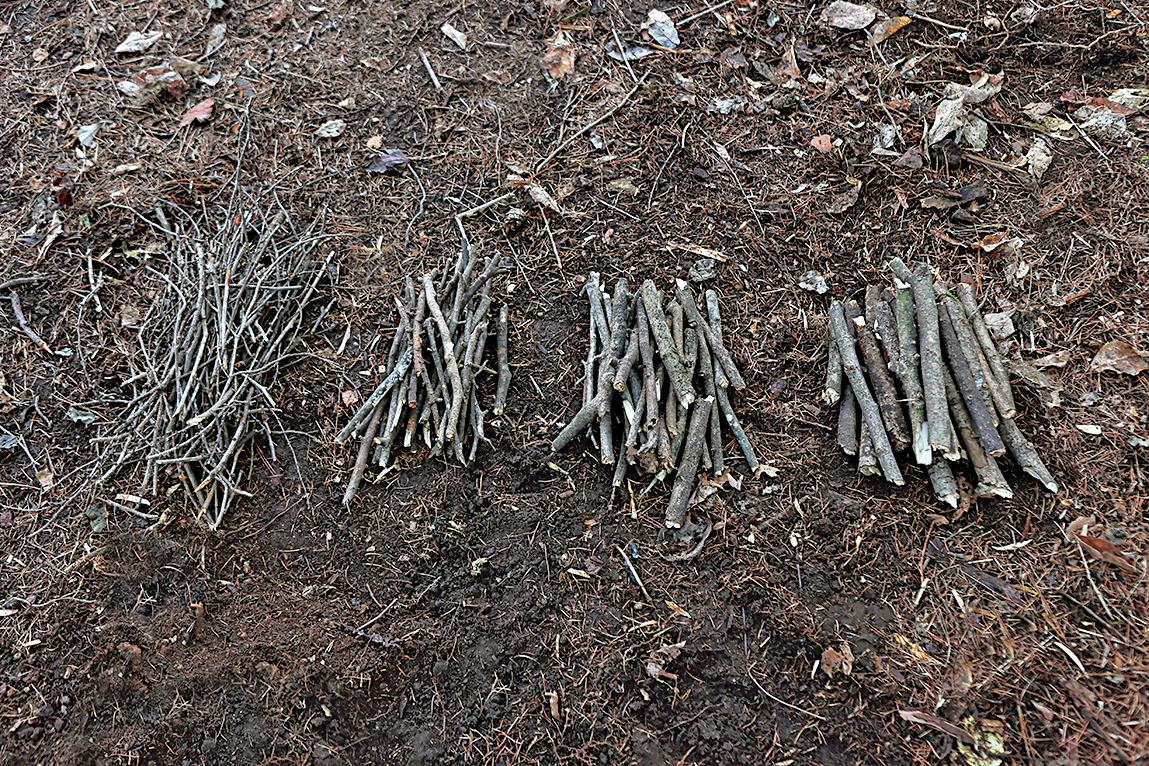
{"x":504,"y":365}
{"x":1002,"y":394}
{"x":866,"y":403}
{"x":975,"y":404}
{"x":670,"y":358}
{"x":908,"y":372}
{"x":688,"y":466}
{"x":686,"y":298}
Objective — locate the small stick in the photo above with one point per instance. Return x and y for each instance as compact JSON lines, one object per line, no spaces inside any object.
{"x":485,"y":206}
{"x":686,"y":298}
{"x":866,"y":403}
{"x":736,"y":428}
{"x":627,"y":361}
{"x":991,"y":482}
{"x":648,"y":369}
{"x":975,"y":404}
{"x":881,"y":320}
{"x":688,"y":466}
{"x":575,"y":136}
{"x":417,"y":333}
{"x":20,"y":320}
{"x":969,"y":349}
{"x":944,"y":483}
{"x":1025,"y":455}
{"x":381,"y":390}
{"x":597,"y":313}
{"x":848,"y":419}
{"x":448,"y":358}
{"x":708,"y":364}
{"x":832,"y":392}
{"x":606,"y":429}
{"x":908,"y":373}
{"x":867,"y":460}
{"x":930,"y":350}
{"x":588,"y":413}
{"x":364,"y":450}
{"x":634,"y":573}
{"x":884,"y":390}
{"x":670,"y":358}
{"x":715,"y":317}
{"x":427,"y":63}
{"x":1002,"y":394}
{"x":504,"y":365}
{"x":619,"y":315}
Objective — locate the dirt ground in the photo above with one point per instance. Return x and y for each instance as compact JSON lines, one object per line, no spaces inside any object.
{"x":499,"y":623}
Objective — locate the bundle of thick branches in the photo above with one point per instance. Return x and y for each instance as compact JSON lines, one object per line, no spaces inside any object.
{"x":228,"y":308}
{"x":916,"y":370}
{"x":431,"y":372}
{"x":655,"y":388}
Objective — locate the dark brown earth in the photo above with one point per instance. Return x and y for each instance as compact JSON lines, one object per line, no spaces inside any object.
{"x":166,"y":644}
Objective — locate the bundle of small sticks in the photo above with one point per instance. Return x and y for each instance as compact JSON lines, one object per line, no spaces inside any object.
{"x":228,"y":309}
{"x":948,"y":397}
{"x":643,"y":362}
{"x":429,"y":379}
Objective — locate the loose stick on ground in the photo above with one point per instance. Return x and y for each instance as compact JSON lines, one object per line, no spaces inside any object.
{"x":364,"y":451}
{"x":832,"y":392}
{"x":867,"y":460}
{"x":688,"y":466}
{"x":1002,"y":393}
{"x":23,"y":323}
{"x":880,"y":319}
{"x":866,"y":403}
{"x":944,"y":483}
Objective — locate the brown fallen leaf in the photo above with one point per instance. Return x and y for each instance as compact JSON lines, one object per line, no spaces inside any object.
{"x":822,"y":143}
{"x":1103,"y":550}
{"x":559,"y":59}
{"x":201,"y":112}
{"x":941,"y":724}
{"x":834,"y":661}
{"x":888,"y":27}
{"x":1118,"y":356}
{"x":842,"y":202}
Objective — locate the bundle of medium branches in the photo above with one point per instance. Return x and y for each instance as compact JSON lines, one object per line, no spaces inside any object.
{"x":227,"y":311}
{"x":952,"y":399}
{"x":435,"y":356}
{"x":654,"y":358}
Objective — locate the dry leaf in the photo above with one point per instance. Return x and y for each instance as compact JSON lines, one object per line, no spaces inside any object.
{"x":822,"y":143}
{"x":887,"y":27}
{"x":376,"y":63}
{"x":941,"y":724}
{"x":845,"y":15}
{"x":137,"y":42}
{"x":392,"y":158}
{"x":1103,"y":550}
{"x":560,"y":56}
{"x":838,"y":662}
{"x":46,"y":478}
{"x":1060,"y":359}
{"x":456,"y":36}
{"x":39,"y":55}
{"x":331,"y":129}
{"x":375,"y":142}
{"x":842,"y":202}
{"x":677,"y":609}
{"x":1118,"y":356}
{"x":201,"y":112}
{"x":349,"y":397}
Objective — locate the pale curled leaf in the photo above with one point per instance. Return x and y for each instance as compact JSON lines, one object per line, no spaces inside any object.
{"x":138,"y":42}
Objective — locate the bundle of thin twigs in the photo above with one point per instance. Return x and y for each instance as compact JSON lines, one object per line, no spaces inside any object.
{"x":227,"y":311}
{"x":669,"y":370}
{"x":436,"y":354}
{"x":929,"y":379}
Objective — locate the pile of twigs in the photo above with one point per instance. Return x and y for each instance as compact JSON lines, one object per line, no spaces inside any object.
{"x":430,"y":376}
{"x":227,"y":312}
{"x":647,"y":363}
{"x":948,"y":397}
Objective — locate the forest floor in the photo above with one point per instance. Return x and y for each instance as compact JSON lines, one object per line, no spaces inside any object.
{"x":830,"y":619}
